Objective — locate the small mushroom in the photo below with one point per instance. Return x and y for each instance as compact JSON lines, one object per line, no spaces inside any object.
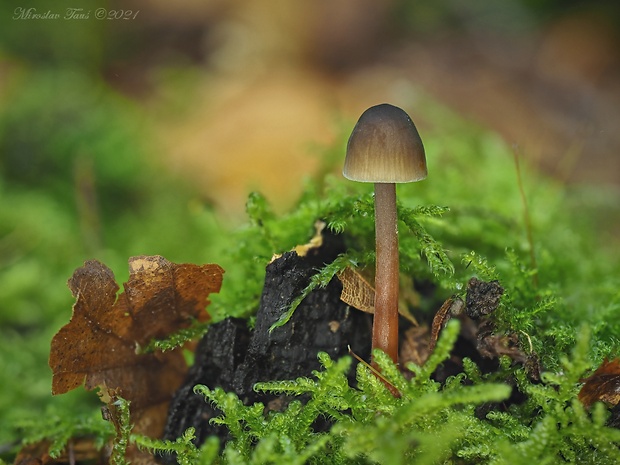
{"x":385,"y":148}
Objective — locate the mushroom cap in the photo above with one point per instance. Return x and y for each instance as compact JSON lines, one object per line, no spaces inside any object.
{"x":385,"y":147}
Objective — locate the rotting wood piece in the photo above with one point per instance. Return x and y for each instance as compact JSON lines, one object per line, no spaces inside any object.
{"x":232,"y":357}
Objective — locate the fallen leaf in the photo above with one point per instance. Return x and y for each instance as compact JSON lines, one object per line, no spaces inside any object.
{"x":359,"y":293}
{"x":614,"y":418}
{"x":408,"y":296}
{"x":356,"y":291}
{"x":415,"y":346}
{"x":80,"y":450}
{"x":492,"y":345}
{"x":602,"y":385}
{"x":99,"y":347}
{"x":453,"y":306}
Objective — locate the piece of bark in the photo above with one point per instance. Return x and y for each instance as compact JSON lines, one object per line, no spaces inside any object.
{"x":322,"y":322}
{"x":218,"y":354}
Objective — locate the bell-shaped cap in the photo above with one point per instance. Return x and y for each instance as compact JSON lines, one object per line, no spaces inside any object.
{"x":385,"y":147}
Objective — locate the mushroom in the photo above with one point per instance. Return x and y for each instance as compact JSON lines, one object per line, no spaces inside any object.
{"x":385,"y":148}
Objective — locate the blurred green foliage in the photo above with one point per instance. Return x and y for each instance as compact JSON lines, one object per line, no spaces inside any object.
{"x":46,"y":43}
{"x":61,"y":129}
{"x":78,"y":180}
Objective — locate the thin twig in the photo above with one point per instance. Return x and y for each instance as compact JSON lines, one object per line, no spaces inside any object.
{"x":376,"y":372}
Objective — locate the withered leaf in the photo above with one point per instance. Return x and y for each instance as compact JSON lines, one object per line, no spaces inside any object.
{"x":356,"y":291}
{"x":100,"y":345}
{"x":415,"y":346}
{"x":359,"y":293}
{"x":603,"y":385}
{"x":492,"y":345}
{"x":78,"y":450}
{"x":453,"y":306}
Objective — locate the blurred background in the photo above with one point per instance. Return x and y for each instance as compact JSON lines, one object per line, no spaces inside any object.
{"x":139,"y":127}
{"x":238,"y":93}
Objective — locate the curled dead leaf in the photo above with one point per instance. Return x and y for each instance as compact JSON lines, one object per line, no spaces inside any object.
{"x":356,"y":291}
{"x":100,"y":345}
{"x":359,"y":293}
{"x":453,"y":306}
{"x":603,"y":385}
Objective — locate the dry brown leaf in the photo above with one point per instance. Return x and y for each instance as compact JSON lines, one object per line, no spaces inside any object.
{"x":356,"y":291}
{"x":498,"y":345}
{"x":359,"y":293}
{"x":79,"y":450}
{"x":415,"y":346}
{"x":100,"y":345}
{"x":603,"y":385}
{"x":453,"y":306}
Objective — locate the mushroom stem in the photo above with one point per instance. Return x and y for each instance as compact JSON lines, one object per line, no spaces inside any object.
{"x":385,"y":323}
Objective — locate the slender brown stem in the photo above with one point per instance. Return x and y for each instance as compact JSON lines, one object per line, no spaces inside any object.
{"x":385,"y":324}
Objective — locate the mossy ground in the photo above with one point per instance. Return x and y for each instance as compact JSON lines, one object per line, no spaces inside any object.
{"x":466,"y":219}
